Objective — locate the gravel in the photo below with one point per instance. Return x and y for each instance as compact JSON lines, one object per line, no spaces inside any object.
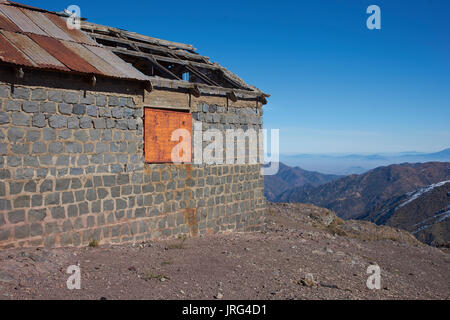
{"x":293,"y":259}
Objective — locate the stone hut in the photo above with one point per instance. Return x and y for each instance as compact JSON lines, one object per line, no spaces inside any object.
{"x":85,"y":122}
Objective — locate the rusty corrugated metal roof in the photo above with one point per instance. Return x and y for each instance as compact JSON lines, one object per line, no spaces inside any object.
{"x":117,"y":62}
{"x":88,"y":55}
{"x":34,"y":52}
{"x":20,"y":19}
{"x":6,"y":24}
{"x":69,"y":58}
{"x":75,"y":34}
{"x":47,"y":25}
{"x":11,"y":54}
{"x":40,"y":39}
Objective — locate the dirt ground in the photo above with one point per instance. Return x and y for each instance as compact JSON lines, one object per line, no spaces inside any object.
{"x":297,"y":257}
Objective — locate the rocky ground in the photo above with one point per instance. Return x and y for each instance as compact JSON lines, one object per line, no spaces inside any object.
{"x":305,"y":253}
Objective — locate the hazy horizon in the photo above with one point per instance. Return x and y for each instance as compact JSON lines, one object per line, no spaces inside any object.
{"x":363,"y":153}
{"x":354,"y":163}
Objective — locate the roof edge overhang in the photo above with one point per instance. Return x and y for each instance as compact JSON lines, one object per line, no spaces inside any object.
{"x":14,"y":68}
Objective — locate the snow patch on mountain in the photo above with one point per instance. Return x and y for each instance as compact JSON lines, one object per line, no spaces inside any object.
{"x":439,"y":218}
{"x":416,"y":194}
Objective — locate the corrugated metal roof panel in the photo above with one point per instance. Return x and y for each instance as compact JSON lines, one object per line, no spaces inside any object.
{"x":75,"y":34}
{"x":6,"y":24}
{"x":47,"y":25}
{"x":118,"y":63}
{"x":69,"y":58}
{"x":31,"y":49}
{"x":10,"y":54}
{"x":20,"y":19}
{"x":94,"y":60}
{"x":37,"y":38}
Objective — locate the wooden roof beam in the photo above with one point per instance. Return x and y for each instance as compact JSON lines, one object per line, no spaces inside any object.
{"x":155,"y":47}
{"x":133,"y":35}
{"x":222,"y":76}
{"x":155,"y":63}
{"x":165,"y":59}
{"x":190,"y":65}
{"x":202,"y":76}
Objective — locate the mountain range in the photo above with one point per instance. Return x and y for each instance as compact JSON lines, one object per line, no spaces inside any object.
{"x":345,"y":164}
{"x":398,"y":195}
{"x":288,"y":177}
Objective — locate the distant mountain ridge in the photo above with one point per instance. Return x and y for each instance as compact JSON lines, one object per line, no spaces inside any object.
{"x":443,"y":153}
{"x":356,"y":195}
{"x":413,"y":197}
{"x":288,"y":177}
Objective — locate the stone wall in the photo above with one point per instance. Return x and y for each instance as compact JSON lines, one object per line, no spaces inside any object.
{"x":72,"y":170}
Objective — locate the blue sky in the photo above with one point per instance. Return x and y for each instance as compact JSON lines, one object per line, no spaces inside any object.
{"x":336,"y":86}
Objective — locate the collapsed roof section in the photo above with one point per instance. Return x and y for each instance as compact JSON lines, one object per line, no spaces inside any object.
{"x":171,"y":64}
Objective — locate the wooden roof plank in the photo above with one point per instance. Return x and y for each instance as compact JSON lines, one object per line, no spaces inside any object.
{"x":136,"y":36}
{"x":154,"y":47}
{"x":161,"y":58}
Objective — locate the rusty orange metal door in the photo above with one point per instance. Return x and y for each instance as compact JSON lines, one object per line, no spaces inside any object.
{"x":158,"y":128}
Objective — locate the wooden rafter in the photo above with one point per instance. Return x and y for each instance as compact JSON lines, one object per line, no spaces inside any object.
{"x":135,"y":36}
{"x":155,"y":47}
{"x":155,"y":59}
